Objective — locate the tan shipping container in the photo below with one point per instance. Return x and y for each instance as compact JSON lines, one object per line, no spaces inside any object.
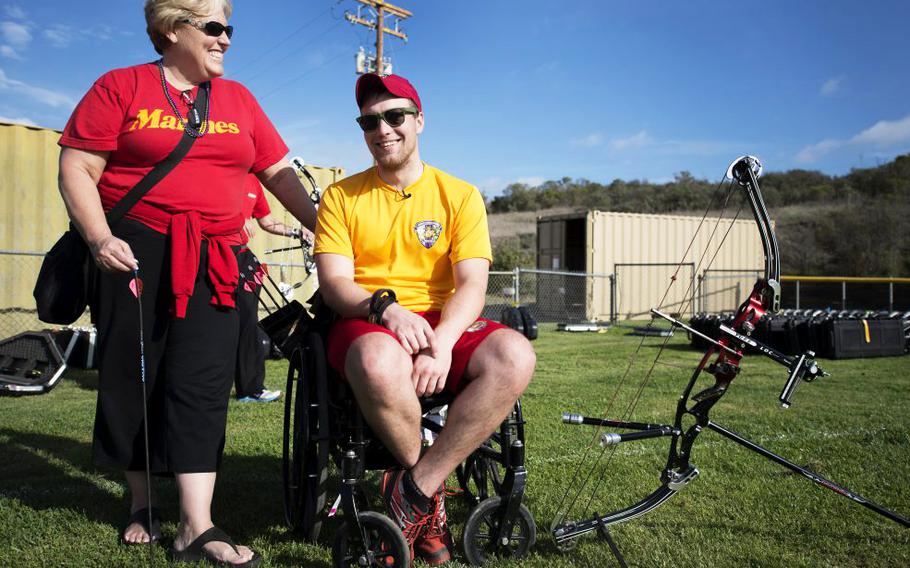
{"x":651,"y":261}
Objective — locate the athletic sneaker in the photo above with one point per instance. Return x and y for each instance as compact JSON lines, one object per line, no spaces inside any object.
{"x":408,"y":509}
{"x":262,"y":396}
{"x":435,"y":546}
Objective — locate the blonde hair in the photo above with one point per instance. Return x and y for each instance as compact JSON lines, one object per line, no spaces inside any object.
{"x":162,"y":16}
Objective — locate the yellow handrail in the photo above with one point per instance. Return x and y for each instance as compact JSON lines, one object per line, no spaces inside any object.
{"x":862,"y":279}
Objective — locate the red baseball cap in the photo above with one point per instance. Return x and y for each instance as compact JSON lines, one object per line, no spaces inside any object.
{"x":370,"y":83}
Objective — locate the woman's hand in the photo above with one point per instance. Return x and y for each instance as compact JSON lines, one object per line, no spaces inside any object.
{"x":114,"y":255}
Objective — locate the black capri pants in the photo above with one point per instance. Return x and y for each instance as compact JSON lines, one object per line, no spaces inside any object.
{"x":189,"y":366}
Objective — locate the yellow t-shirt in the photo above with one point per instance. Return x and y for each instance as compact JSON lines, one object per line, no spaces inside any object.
{"x":408,"y":244}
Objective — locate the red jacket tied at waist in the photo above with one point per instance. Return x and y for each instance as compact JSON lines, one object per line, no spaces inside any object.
{"x":187,"y":231}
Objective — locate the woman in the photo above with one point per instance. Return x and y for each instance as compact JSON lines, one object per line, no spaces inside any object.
{"x":182,"y":237}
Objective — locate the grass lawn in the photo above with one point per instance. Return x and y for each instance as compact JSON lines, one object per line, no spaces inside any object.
{"x":853,"y":427}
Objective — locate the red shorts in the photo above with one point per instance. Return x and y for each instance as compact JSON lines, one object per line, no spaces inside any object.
{"x":345,"y":331}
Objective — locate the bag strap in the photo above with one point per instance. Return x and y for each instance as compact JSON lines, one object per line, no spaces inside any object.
{"x":163,"y":167}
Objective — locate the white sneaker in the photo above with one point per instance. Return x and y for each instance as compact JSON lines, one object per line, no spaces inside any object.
{"x":264,"y":396}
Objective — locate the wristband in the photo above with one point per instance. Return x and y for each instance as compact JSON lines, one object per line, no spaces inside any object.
{"x":381,"y":299}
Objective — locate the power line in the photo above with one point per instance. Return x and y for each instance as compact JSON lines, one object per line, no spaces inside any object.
{"x":284,"y":40}
{"x":304,"y":74}
{"x":293,"y":53}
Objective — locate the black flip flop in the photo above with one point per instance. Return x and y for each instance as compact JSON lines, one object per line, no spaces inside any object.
{"x":142,"y":517}
{"x":194,"y":552}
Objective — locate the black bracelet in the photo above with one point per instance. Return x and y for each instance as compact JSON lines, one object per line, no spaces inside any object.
{"x":381,"y":299}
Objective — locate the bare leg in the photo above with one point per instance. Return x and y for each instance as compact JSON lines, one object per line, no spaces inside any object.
{"x":196,"y":490}
{"x":379,"y":372}
{"x":499,"y":371}
{"x":135,"y":532}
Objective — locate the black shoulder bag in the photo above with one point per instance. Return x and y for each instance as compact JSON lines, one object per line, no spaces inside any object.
{"x":67,"y":276}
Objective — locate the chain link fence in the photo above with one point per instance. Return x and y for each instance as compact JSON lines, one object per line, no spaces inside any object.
{"x":551,"y":296}
{"x":18,"y":272}
{"x":720,"y":290}
{"x":724,"y":290}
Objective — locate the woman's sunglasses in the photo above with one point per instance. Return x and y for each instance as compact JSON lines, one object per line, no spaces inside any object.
{"x":214,"y":29}
{"x":394,"y":117}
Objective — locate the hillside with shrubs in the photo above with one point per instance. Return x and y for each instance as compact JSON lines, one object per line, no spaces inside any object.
{"x":857,"y":224}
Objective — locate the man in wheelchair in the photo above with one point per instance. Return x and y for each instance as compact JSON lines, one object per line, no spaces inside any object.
{"x":403,"y":254}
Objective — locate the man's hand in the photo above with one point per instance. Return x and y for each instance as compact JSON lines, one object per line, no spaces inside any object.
{"x":430,"y":373}
{"x":114,"y":255}
{"x":413,"y":332}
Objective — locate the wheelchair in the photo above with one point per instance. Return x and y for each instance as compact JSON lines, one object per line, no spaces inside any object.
{"x":324,"y":431}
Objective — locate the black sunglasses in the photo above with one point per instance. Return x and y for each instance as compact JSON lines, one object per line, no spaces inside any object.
{"x":214,"y":29}
{"x":393,"y":117}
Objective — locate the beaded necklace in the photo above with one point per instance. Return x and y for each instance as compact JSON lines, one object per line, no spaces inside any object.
{"x":192,"y":127}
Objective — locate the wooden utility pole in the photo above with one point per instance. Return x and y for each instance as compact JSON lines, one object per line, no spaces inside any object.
{"x":382,"y":9}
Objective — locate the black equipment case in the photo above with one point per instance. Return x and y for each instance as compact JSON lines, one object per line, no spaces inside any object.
{"x":847,"y":339}
{"x":78,"y":346}
{"x":30,"y":363}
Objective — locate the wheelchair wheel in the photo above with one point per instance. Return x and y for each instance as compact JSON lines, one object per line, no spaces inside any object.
{"x":479,"y":539}
{"x":305,"y":452}
{"x":479,"y":477}
{"x":381,"y":544}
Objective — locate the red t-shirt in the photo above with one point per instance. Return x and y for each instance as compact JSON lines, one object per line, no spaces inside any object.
{"x":126,"y":113}
{"x":254,"y":202}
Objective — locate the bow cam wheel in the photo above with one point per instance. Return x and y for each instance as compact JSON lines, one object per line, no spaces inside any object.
{"x":305,"y":452}
{"x":480,"y":540}
{"x":381,"y":543}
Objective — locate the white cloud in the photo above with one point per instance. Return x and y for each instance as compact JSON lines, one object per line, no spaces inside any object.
{"x":9,"y":53}
{"x":531,"y":180}
{"x":491,"y":186}
{"x":15,"y":34}
{"x":20,"y":120}
{"x":635,"y":142}
{"x":831,"y":86}
{"x":58,"y":35}
{"x":14,"y":12}
{"x":813,"y":152}
{"x":883,"y":135}
{"x":46,"y":96}
{"x":589,"y":141}
{"x":62,"y":35}
{"x":494,"y":186}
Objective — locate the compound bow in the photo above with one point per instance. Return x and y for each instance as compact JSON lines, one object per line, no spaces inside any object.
{"x":722,"y":360}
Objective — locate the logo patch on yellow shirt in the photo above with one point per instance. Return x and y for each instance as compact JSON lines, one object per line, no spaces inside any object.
{"x":428,"y":232}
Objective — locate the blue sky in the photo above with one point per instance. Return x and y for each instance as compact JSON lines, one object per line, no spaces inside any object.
{"x":532,"y":90}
